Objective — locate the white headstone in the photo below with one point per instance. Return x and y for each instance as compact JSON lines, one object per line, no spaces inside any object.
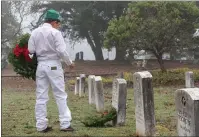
{"x":119,"y":100}
{"x":189,"y":79}
{"x":144,"y":104}
{"x":82,"y":84}
{"x":99,"y":94}
{"x":76,"y":85}
{"x":187,"y":107}
{"x":91,"y":93}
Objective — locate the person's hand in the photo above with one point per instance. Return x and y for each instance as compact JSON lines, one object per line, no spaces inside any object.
{"x":72,"y":66}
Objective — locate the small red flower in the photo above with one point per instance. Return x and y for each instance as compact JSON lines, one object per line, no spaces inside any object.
{"x":18,"y":50}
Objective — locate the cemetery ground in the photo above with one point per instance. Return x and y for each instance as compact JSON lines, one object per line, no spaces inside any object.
{"x":18,"y":114}
{"x":18,"y":102}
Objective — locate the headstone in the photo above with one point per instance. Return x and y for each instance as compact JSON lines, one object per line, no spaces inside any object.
{"x":144,"y":103}
{"x":189,"y":79}
{"x":119,"y":92}
{"x":121,"y":75}
{"x":139,"y":63}
{"x":77,"y":56}
{"x":81,"y":55}
{"x":91,"y":93}
{"x":82,"y":84}
{"x":77,"y":85}
{"x":99,"y":94}
{"x":187,"y":107}
{"x":144,"y":62}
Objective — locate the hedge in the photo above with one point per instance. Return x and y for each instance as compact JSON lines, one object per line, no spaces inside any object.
{"x":169,"y":78}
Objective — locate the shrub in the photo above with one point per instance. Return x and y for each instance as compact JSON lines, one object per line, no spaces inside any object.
{"x":172,"y":77}
{"x":169,"y":78}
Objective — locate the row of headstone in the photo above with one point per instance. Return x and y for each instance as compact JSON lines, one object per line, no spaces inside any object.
{"x":95,"y":88}
{"x":189,"y":79}
{"x":96,"y":95}
{"x":186,"y":100}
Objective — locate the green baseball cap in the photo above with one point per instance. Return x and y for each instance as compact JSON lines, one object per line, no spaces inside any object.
{"x":52,"y":15}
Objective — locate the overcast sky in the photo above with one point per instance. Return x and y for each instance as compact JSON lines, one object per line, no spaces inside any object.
{"x":72,"y":50}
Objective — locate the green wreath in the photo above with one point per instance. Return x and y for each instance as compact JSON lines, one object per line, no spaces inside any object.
{"x":20,"y":60}
{"x":100,"y":121}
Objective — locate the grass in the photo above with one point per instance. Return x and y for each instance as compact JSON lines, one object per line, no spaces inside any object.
{"x":18,"y":114}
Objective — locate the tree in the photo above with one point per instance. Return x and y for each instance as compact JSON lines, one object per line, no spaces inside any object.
{"x":13,"y":14}
{"x":9,"y":27}
{"x":9,"y":22}
{"x":157,"y":27}
{"x":12,"y":17}
{"x":85,"y":19}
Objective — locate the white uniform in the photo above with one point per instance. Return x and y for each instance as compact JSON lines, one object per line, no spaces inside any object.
{"x":49,"y":46}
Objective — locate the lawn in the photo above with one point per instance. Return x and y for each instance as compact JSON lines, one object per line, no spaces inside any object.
{"x":18,"y":114}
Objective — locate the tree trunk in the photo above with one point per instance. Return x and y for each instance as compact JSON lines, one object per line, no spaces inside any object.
{"x":99,"y":54}
{"x":96,"y":48}
{"x":161,"y":62}
{"x":98,"y":45}
{"x":120,"y":54}
{"x":196,"y":53}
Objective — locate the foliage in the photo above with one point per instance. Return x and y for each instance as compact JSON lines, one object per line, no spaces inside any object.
{"x":85,"y":19}
{"x":14,"y":100}
{"x":107,"y":81}
{"x":8,"y":22}
{"x":171,"y":77}
{"x":100,"y":121}
{"x":156,"y":27}
{"x":19,"y":58}
{"x":9,"y":27}
{"x":12,"y":17}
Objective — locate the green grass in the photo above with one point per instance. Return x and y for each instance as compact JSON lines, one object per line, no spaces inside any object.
{"x":18,"y":114}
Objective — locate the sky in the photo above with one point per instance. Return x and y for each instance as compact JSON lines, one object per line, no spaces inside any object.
{"x":72,"y":48}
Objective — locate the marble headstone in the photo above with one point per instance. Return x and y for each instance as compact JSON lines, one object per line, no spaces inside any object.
{"x":77,"y":85}
{"x":189,"y":79}
{"x":99,"y":94}
{"x":144,"y":103}
{"x":91,"y":93}
{"x":82,"y":84}
{"x":119,"y":92}
{"x":187,"y":107}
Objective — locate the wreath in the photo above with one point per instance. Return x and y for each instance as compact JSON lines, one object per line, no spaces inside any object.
{"x":20,"y":59}
{"x":100,"y":121}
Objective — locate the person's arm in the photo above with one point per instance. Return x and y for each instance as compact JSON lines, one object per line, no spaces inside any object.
{"x":31,"y":45}
{"x":61,"y":48}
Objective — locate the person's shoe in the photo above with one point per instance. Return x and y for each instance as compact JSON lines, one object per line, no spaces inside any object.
{"x":46,"y":130}
{"x":69,"y":129}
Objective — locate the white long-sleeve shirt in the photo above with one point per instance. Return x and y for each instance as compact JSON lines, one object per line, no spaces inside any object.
{"x":48,"y":44}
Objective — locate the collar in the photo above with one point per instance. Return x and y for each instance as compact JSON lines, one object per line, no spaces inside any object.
{"x":47,"y":24}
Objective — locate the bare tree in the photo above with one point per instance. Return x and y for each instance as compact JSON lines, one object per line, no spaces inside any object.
{"x":13,"y":14}
{"x":12,"y":17}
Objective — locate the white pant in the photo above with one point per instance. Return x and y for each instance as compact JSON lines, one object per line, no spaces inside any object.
{"x":51,"y":72}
